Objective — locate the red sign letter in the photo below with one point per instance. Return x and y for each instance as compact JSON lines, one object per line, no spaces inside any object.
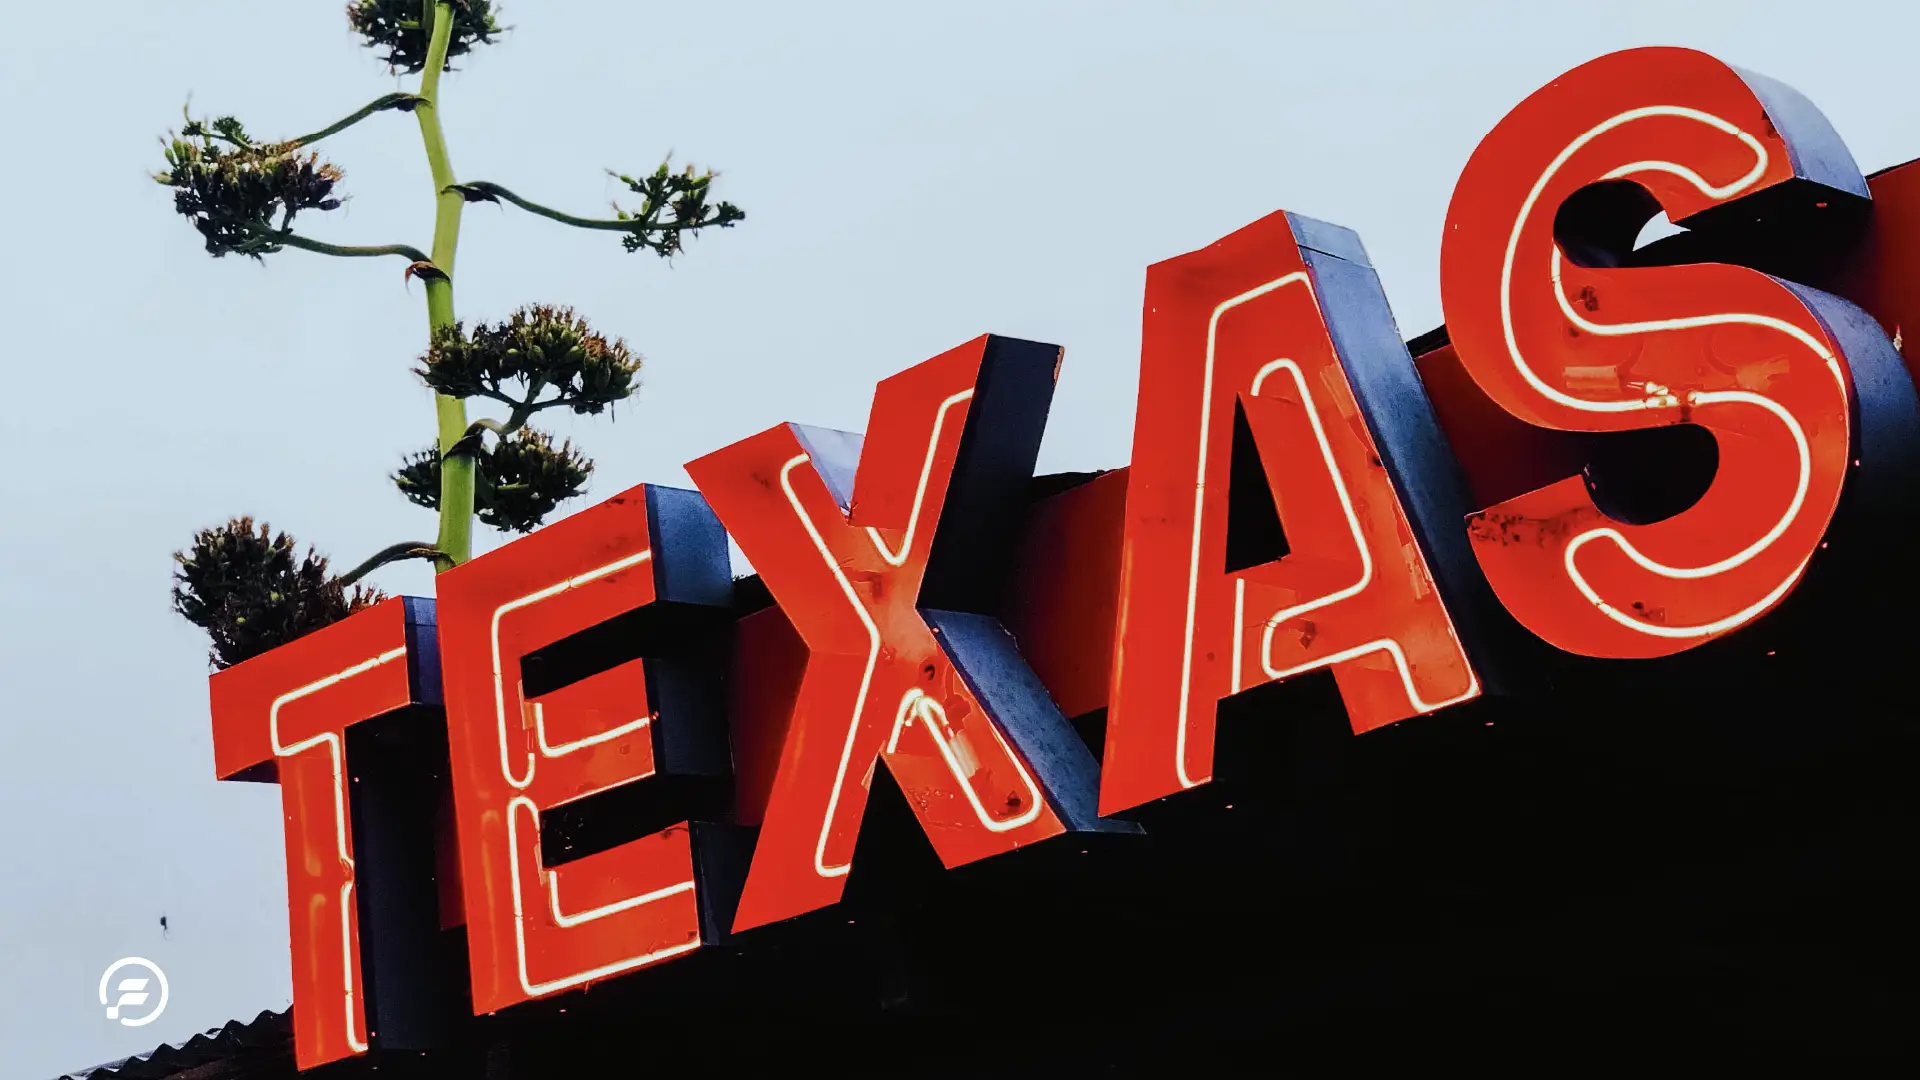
{"x":521,"y":747}
{"x":890,"y":575}
{"x":1275,"y":347}
{"x":289,"y":710}
{"x":1554,"y":330}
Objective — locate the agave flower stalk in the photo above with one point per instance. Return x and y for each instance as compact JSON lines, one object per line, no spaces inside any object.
{"x":455,"y":543}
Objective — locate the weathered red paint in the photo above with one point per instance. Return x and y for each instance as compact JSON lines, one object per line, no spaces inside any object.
{"x":1599,"y":348}
{"x":1883,"y":275}
{"x":1066,"y":590}
{"x":845,"y":556}
{"x":534,"y":930}
{"x":1236,"y":329}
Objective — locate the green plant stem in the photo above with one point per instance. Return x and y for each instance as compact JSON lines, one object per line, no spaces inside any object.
{"x":522,"y":413}
{"x":487,"y":187}
{"x":402,"y":100}
{"x":351,"y":251}
{"x":392,"y":553}
{"x":455,"y":542}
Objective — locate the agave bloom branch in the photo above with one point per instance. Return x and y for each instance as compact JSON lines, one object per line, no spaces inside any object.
{"x":684,"y":193}
{"x":400,"y":101}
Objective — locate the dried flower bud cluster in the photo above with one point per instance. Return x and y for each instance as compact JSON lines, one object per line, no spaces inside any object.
{"x":538,"y":348}
{"x":418,"y":478}
{"x":522,"y":479}
{"x":395,"y":26}
{"x":244,"y":585}
{"x":239,"y":195}
{"x":526,"y":477}
{"x":675,"y":203}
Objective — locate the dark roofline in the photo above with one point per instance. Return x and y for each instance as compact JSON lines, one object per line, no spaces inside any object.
{"x":265,"y":1040}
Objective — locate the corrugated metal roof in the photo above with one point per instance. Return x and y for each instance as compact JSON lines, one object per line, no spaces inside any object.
{"x":262,"y":1040}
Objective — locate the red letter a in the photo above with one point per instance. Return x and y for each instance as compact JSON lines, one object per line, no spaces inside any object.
{"x":1274,"y":346}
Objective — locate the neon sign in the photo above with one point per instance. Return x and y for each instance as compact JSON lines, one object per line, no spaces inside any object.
{"x":906,"y":663}
{"x":1306,"y":495}
{"x":1556,"y":330}
{"x":518,"y":750}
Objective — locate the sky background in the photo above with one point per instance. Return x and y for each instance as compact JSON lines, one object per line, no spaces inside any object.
{"x":914,"y":175}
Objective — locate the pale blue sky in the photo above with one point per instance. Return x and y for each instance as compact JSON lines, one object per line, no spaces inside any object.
{"x":914,"y":175}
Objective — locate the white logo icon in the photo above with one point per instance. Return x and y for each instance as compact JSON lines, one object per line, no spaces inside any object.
{"x":133,"y":992}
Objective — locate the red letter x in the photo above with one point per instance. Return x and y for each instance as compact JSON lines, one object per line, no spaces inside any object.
{"x":906,"y":661}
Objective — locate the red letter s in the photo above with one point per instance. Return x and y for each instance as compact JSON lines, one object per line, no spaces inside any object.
{"x":1557,"y":332}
